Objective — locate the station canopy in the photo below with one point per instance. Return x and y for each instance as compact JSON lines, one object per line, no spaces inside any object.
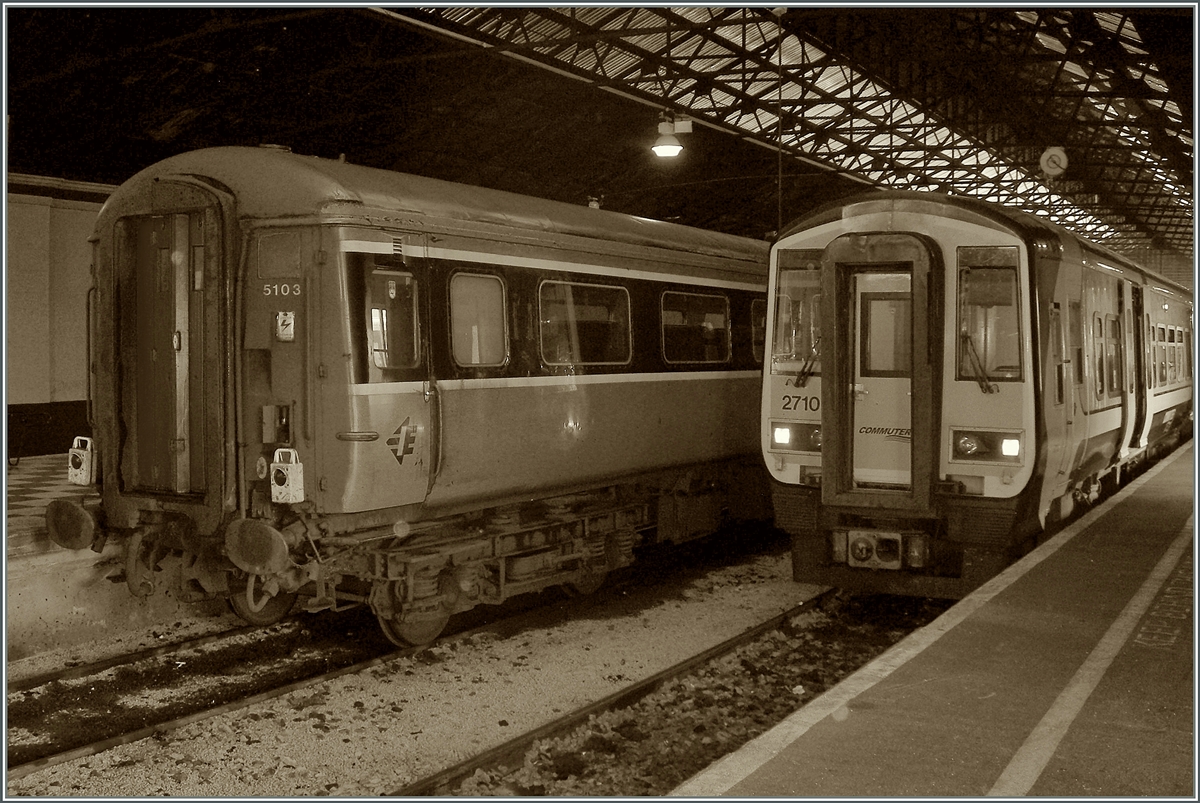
{"x":1082,"y":115}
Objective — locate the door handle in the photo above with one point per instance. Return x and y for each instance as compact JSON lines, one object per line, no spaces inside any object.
{"x":859,"y":391}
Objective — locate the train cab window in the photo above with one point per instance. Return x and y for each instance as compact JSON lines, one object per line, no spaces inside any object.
{"x":989,"y":322}
{"x":478,"y":333}
{"x":796,"y":347}
{"x":584,"y":324}
{"x":383,"y":307}
{"x":695,"y":328}
{"x":758,"y":328}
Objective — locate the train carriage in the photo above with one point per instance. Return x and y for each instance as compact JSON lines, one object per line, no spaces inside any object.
{"x":314,"y":378}
{"x":947,"y":376}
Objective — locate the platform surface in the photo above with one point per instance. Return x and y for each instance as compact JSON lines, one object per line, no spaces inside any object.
{"x":1069,"y":674}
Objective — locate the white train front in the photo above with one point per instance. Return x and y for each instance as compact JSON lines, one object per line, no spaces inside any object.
{"x":946,"y":376}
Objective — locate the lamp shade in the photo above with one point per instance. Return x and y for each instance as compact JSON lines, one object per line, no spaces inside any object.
{"x":667,"y":145}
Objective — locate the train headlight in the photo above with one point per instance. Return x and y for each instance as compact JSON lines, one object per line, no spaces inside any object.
{"x":967,"y":446}
{"x":982,"y":446}
{"x":861,"y":549}
{"x":795,"y":436}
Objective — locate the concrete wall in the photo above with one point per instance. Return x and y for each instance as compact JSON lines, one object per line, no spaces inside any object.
{"x":47,"y":275}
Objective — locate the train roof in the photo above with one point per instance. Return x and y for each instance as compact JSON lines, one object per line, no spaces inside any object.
{"x":1024,"y":223}
{"x":271,"y":182}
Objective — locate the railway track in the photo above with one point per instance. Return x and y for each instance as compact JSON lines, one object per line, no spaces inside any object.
{"x":631,"y":743}
{"x":80,"y":711}
{"x":377,"y":651}
{"x":372,"y":727}
{"x":513,"y":751}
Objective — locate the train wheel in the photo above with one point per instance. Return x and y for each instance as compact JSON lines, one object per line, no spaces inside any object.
{"x":419,"y":632}
{"x":257,"y":607}
{"x":413,"y":634}
{"x":589,"y":584}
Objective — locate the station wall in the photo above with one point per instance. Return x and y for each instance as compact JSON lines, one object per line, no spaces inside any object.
{"x":47,"y":275}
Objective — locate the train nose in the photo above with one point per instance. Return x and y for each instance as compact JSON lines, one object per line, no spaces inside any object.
{"x":71,"y":526}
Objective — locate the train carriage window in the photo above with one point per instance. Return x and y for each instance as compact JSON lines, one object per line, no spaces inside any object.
{"x":1075,"y":330}
{"x":695,"y":328}
{"x":1161,"y":356}
{"x":1171,"y":354}
{"x":758,"y":328}
{"x":383,"y":307}
{"x":1187,"y":352}
{"x":1112,"y":352}
{"x":1148,"y":357}
{"x":478,"y":334}
{"x":584,"y":324}
{"x":1057,"y":353}
{"x":1098,"y":353}
{"x":989,"y":321}
{"x":797,"y":338}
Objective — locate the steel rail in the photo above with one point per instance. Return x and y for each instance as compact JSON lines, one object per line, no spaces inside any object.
{"x":512,"y":752}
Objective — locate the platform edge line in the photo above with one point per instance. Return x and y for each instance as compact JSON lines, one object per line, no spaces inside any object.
{"x":731,"y":769}
{"x":1035,"y":753}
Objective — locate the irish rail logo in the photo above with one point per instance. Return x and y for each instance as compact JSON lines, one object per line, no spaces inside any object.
{"x":403,"y":440}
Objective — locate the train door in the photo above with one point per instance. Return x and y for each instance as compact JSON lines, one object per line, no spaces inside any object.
{"x":880,"y":291}
{"x":1137,"y":376}
{"x":881,"y":398}
{"x":1059,"y":401}
{"x":169,"y":346}
{"x":393,"y":388}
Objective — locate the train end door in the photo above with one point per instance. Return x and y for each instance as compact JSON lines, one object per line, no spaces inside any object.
{"x":168,"y":314}
{"x":880,"y":292}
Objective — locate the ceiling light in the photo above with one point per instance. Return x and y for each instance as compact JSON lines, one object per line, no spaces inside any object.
{"x":667,"y":145}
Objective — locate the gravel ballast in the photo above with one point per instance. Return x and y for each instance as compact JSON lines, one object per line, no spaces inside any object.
{"x":375,"y":732}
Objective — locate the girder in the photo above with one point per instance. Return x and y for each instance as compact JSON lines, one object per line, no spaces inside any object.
{"x":958,"y":100}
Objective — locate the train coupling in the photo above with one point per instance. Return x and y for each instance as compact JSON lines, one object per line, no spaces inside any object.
{"x":256,"y":547}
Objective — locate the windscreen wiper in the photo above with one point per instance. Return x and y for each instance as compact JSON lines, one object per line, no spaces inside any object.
{"x":810,"y":363}
{"x":979,"y":373}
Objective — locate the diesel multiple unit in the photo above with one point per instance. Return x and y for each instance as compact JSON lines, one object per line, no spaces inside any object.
{"x":946,"y":376}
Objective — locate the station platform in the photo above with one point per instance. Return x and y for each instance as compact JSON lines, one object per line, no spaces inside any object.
{"x":1071,"y":673}
{"x":57,"y":598}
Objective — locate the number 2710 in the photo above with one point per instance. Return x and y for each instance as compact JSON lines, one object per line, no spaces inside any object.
{"x":809,"y":404}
